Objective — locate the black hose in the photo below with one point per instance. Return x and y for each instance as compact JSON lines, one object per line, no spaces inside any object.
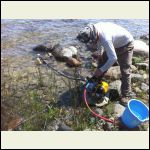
{"x":61,"y":73}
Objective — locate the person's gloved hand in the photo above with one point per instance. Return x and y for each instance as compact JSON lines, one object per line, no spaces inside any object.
{"x":98,"y":73}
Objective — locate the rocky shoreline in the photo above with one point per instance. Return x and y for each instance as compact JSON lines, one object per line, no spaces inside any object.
{"x":26,"y":88}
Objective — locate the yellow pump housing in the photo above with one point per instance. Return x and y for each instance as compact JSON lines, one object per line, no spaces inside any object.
{"x":103,"y":86}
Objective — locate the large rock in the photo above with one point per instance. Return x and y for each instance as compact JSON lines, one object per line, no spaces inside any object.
{"x":139,"y":77}
{"x":115,"y":85}
{"x":113,"y":72}
{"x":69,"y":51}
{"x":118,"y":110}
{"x":140,"y":49}
{"x":114,"y":90}
{"x":60,"y":52}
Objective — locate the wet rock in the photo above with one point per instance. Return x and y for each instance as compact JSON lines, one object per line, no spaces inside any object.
{"x":144,"y":87}
{"x":58,"y":51}
{"x":73,"y":62}
{"x":140,"y":49}
{"x":61,"y":53}
{"x":118,"y":110}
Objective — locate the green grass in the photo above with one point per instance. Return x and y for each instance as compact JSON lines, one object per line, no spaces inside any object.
{"x":109,"y":110}
{"x":137,"y":60}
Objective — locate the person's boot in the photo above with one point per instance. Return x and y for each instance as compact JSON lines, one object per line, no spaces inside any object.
{"x":125,"y":99}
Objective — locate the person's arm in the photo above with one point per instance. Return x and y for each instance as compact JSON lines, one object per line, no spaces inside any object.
{"x":111,"y":54}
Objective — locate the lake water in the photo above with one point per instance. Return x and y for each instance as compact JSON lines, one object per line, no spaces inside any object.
{"x":19,"y":36}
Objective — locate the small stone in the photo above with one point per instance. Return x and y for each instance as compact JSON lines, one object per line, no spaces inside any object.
{"x":94,"y":65}
{"x":68,"y":122}
{"x":108,"y":126}
{"x":87,"y":129}
{"x":133,"y":68}
{"x":99,"y":111}
{"x":137,"y":77}
{"x":142,"y":72}
{"x":63,"y":127}
{"x":38,"y":61}
{"x":74,"y":62}
{"x":50,"y":54}
{"x":92,"y":119}
{"x":19,"y":94}
{"x":137,"y":90}
{"x":40,"y":92}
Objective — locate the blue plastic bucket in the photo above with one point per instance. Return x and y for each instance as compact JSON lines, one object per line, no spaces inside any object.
{"x":135,"y":113}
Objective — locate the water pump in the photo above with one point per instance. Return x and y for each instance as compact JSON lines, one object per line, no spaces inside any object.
{"x":97,"y":91}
